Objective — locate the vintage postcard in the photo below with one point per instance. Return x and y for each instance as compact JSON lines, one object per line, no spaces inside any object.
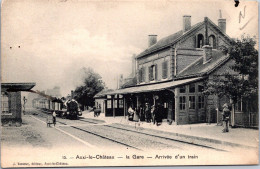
{"x":129,"y":83}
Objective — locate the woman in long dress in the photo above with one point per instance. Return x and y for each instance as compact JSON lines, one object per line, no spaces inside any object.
{"x":136,"y":116}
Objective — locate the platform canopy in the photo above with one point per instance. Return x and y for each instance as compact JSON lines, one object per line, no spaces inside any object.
{"x":153,"y":87}
{"x":17,"y":86}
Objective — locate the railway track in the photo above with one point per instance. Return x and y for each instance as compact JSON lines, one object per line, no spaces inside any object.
{"x":132,"y":131}
{"x":167,"y":138}
{"x":95,"y":134}
{"x":152,"y":135}
{"x":104,"y":137}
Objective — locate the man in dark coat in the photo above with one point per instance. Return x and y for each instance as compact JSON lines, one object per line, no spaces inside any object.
{"x":147,"y":113}
{"x":141,"y":113}
{"x":158,"y":114}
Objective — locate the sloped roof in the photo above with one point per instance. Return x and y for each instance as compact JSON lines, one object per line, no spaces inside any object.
{"x":172,"y":39}
{"x":101,"y":93}
{"x":198,"y":68}
{"x":17,"y":86}
{"x":153,"y":87}
{"x":168,"y":41}
{"x":130,"y":83}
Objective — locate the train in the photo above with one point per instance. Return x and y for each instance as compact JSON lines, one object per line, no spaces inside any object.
{"x":65,"y":109}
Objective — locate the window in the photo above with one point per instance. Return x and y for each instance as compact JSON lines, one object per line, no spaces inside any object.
{"x":200,"y":88}
{"x":192,"y":88}
{"x":142,"y":74}
{"x":182,"y":102}
{"x":165,"y":69}
{"x":5,"y":103}
{"x":115,"y":103}
{"x":200,"y":41}
{"x":238,"y":106}
{"x":201,"y":102}
{"x":153,"y":72}
{"x":109,"y":104}
{"x":212,"y":41}
{"x":121,"y":103}
{"x":182,"y":89}
{"x":192,"y":102}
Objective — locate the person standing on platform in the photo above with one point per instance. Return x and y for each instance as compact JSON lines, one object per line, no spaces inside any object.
{"x":226,"y":117}
{"x":54,"y":118}
{"x":136,"y":116}
{"x":141,"y":113}
{"x":159,"y":112}
{"x":147,"y":113}
{"x":130,"y":113}
{"x":153,"y":113}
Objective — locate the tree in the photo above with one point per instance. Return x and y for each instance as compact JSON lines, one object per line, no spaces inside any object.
{"x":92,"y":84}
{"x":243,"y":85}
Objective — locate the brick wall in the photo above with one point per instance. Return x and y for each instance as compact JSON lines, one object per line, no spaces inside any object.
{"x":15,"y":108}
{"x":187,"y":56}
{"x":157,"y":58}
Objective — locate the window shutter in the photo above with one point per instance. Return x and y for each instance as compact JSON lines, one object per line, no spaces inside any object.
{"x":140,"y":75}
{"x":164,"y":69}
{"x":143,"y":75}
{"x":150,"y":73}
{"x":156,"y":72}
{"x":195,"y":43}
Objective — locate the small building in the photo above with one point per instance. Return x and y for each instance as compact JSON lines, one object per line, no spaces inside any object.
{"x":100,"y":100}
{"x":11,"y":102}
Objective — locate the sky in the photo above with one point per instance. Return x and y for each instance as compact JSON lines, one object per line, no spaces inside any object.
{"x":49,"y":41}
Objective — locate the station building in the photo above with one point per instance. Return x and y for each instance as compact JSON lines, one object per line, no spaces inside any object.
{"x":11,"y":102}
{"x":172,"y":71}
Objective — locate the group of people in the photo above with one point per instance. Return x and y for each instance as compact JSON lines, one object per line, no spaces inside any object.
{"x":147,"y":113}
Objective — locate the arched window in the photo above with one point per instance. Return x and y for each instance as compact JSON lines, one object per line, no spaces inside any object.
{"x":200,"y":41}
{"x":212,"y":41}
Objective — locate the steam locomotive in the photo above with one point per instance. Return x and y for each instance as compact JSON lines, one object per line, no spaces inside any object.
{"x":68,"y":109}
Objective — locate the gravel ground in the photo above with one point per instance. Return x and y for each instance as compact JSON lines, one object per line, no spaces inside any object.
{"x":26,"y":135}
{"x":131,"y":139}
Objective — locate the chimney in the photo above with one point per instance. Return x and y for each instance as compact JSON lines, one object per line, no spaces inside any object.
{"x":72,"y":94}
{"x":221,"y":23}
{"x":152,"y":39}
{"x":207,"y":53}
{"x":186,"y":23}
